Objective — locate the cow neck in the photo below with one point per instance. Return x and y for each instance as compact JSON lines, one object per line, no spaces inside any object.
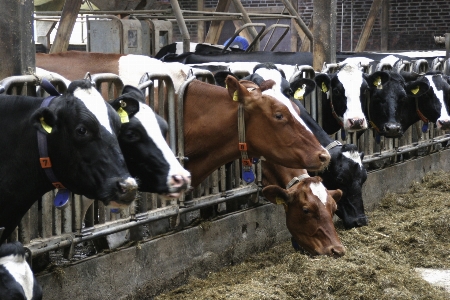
{"x":333,"y":112}
{"x":296,"y":180}
{"x":419,"y":113}
{"x":247,"y":171}
{"x":368,"y":116}
{"x":44,"y":159}
{"x":63,"y":195}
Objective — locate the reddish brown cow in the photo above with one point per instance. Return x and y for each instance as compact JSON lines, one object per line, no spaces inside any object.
{"x":309,"y":208}
{"x":211,"y":129}
{"x":74,"y":65}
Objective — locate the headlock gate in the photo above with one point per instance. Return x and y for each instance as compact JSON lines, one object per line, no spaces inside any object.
{"x":46,"y":229}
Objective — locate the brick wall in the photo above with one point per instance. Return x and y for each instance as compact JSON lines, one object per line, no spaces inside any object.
{"x":413,"y":23}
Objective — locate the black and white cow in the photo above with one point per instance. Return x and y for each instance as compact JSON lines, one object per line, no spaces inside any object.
{"x":146,"y":152}
{"x":397,"y":101}
{"x":345,"y":171}
{"x":342,"y":95}
{"x":80,"y":130}
{"x":17,"y":281}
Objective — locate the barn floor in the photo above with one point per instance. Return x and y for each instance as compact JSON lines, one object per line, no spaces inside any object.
{"x":407,"y":241}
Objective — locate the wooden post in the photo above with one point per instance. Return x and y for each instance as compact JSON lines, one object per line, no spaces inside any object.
{"x":324,"y":33}
{"x":365,"y":34}
{"x":215,"y":29}
{"x":17,"y":48}
{"x":68,"y":18}
{"x":251,"y":30}
{"x":385,"y":25}
{"x":200,"y":24}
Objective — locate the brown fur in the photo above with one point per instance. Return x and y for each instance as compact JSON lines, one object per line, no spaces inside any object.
{"x":307,"y":219}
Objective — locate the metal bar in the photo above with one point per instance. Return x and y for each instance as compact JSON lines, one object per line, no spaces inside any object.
{"x":181,"y":24}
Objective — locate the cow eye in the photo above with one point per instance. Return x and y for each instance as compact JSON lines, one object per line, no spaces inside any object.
{"x":279,"y":116}
{"x":336,"y":91}
{"x":132,"y":136}
{"x":81,"y":130}
{"x":305,"y":210}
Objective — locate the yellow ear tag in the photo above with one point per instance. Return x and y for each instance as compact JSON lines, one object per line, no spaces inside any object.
{"x":123,"y":115}
{"x":324,"y":87}
{"x":235,"y":96}
{"x":415,"y":91}
{"x":278,"y":200}
{"x":377,"y":83}
{"x":299,"y":93}
{"x":45,"y":125}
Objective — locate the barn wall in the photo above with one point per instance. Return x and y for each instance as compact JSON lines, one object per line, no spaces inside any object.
{"x":413,"y":23}
{"x":168,"y":261}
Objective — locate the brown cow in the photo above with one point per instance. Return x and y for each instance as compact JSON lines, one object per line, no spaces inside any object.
{"x":211,"y":128}
{"x":309,"y":208}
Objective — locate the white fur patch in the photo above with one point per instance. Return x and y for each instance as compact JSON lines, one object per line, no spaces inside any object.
{"x":133,"y":67}
{"x":95,"y":103}
{"x":42,"y":73}
{"x":353,"y":155}
{"x":148,"y":120}
{"x":390,"y":59}
{"x":351,"y":78}
{"x":356,"y":60}
{"x":444,"y":116}
{"x":276,"y":91}
{"x":20,"y":270}
{"x":319,"y":191}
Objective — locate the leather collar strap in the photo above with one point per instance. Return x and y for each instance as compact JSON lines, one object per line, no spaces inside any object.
{"x":247,"y":170}
{"x":419,"y":113}
{"x":44,"y":159}
{"x":296,"y":180}
{"x":333,"y":112}
{"x":332,"y":145}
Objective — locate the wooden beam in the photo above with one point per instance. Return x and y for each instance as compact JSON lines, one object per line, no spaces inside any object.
{"x":215,"y":29}
{"x":367,"y":29}
{"x":66,"y":24}
{"x":306,"y":43}
{"x":200,"y":24}
{"x":324,"y":33}
{"x":385,"y":25}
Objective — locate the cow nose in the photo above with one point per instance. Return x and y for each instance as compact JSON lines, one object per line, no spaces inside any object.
{"x":127,"y":189}
{"x":324,"y":157}
{"x":392,"y":130}
{"x":356,"y":123}
{"x":180,"y":182}
{"x":336,"y":251}
{"x":444,"y":124}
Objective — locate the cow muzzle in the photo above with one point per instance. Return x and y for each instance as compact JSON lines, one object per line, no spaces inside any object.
{"x":126,"y":190}
{"x":443,"y":124}
{"x":357,"y":124}
{"x":392,"y":130}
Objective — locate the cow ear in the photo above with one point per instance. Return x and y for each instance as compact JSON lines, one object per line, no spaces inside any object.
{"x":377,"y":79}
{"x":276,"y":194}
{"x":127,"y":105}
{"x":44,"y":120}
{"x":323,"y":81}
{"x":235,"y":89}
{"x":221,"y":76}
{"x":417,"y":88}
{"x":335,"y":194}
{"x":361,"y":155}
{"x":302,"y":87}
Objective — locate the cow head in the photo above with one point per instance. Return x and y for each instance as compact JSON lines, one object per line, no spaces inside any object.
{"x":82,"y":144}
{"x":391,"y":107}
{"x":16,"y":278}
{"x":434,"y":103}
{"x":347,"y":173}
{"x":309,"y":211}
{"x":268,"y":110}
{"x":145,"y":149}
{"x":344,"y":92}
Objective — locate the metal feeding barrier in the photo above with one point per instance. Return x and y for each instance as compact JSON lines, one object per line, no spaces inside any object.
{"x":45,"y":229}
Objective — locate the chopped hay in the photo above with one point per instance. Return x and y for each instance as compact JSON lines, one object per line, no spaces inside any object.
{"x":407,"y":231}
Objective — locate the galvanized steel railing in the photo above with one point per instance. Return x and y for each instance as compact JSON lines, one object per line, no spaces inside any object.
{"x":45,"y":228}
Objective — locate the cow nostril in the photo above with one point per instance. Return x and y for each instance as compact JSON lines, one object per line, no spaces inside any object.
{"x":126,"y":185}
{"x":178,"y":179}
{"x":324,"y":157}
{"x":352,"y":122}
{"x":338,"y":251}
